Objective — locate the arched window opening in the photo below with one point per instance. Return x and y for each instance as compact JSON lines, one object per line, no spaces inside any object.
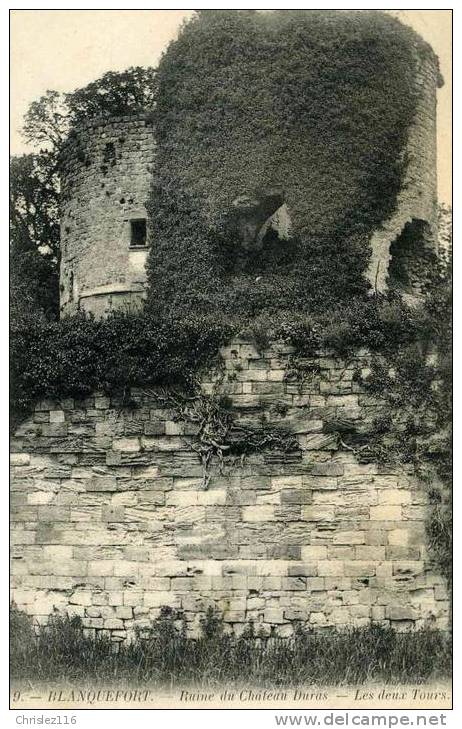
{"x":264,"y":233}
{"x":277,"y":226}
{"x":252,"y":213}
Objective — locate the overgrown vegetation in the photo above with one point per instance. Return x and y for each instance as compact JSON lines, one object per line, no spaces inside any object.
{"x":377,"y":323}
{"x":416,"y":385}
{"x":49,"y":120}
{"x":164,"y":655}
{"x":80,"y":354}
{"x":307,"y":108}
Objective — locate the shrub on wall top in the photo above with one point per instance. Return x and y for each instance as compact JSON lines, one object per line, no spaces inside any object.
{"x":79,"y":354}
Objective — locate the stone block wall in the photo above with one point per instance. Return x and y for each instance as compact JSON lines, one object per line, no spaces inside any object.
{"x":106,"y":173}
{"x":111,"y":519}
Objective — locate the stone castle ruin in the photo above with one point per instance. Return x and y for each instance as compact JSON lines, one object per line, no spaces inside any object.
{"x":106,"y":179}
{"x":112,"y":516}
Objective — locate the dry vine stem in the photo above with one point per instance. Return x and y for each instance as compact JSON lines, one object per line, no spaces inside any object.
{"x":217,"y":434}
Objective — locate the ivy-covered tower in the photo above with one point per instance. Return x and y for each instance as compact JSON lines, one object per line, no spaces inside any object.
{"x":108,"y":166}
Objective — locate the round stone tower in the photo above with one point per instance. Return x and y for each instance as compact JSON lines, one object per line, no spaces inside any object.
{"x":106,"y":172}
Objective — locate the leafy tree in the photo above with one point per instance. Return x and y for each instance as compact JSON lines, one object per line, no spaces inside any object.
{"x":50,"y":118}
{"x":114,"y":94}
{"x":34,"y":204}
{"x":46,"y":123}
{"x":34,"y":234}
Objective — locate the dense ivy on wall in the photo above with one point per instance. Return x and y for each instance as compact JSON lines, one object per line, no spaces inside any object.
{"x":254,"y":110}
{"x":416,"y":385}
{"x":79,"y":354}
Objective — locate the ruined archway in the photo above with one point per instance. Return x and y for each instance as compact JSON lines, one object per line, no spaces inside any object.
{"x":252,"y":216}
{"x":410,"y":254}
{"x":262,"y":241}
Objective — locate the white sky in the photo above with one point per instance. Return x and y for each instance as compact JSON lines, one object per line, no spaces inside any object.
{"x":66,"y":49}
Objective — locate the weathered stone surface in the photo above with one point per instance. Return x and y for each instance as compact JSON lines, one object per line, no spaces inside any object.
{"x":115,"y":521}
{"x":399,"y":612}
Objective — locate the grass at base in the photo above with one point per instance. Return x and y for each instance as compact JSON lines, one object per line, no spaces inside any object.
{"x":164,"y":655}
